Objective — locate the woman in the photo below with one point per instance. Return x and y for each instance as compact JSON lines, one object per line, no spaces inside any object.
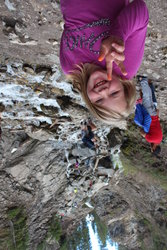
{"x":102,"y":47}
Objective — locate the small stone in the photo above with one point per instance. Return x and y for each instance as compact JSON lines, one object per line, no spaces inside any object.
{"x":156,"y":76}
{"x":149,"y":71}
{"x":62,"y":25}
{"x":13,"y":150}
{"x":29,"y":70}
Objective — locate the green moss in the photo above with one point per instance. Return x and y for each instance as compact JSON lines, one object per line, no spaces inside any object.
{"x":41,"y":246}
{"x":133,"y":149}
{"x":13,"y":212}
{"x":147,"y":224}
{"x":143,"y":247}
{"x":18,"y":238}
{"x":64,"y":246}
{"x":4,"y":238}
{"x":159,"y":242}
{"x":4,"y":233}
{"x":132,"y":167}
{"x":137,"y":157}
{"x":156,"y":235}
{"x":128,"y":167}
{"x":116,"y":167}
{"x":16,"y":235}
{"x":112,"y":213}
{"x":54,"y":232}
{"x":159,"y":176}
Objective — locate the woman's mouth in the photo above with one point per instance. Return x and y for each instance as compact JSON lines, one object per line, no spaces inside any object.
{"x":100,"y":83}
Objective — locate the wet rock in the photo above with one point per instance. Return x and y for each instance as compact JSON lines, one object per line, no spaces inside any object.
{"x":57,"y":91}
{"x":3,"y":68}
{"x":28,"y":68}
{"x":106,"y":162}
{"x":106,"y":172}
{"x":40,"y":135}
{"x":9,"y":21}
{"x":52,"y":244}
{"x":83,"y":151}
{"x":117,"y":229}
{"x":2,"y":107}
{"x":114,"y":137}
{"x":43,"y":69}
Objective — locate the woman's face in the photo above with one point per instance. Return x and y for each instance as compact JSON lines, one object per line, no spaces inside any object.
{"x":108,"y":94}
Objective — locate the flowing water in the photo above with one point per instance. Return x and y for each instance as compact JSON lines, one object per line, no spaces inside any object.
{"x":91,"y":234}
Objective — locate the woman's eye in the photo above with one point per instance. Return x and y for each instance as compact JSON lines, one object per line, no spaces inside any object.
{"x":114,"y":93}
{"x":99,"y":101}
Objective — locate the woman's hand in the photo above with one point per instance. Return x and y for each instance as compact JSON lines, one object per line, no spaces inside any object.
{"x":112,"y":50}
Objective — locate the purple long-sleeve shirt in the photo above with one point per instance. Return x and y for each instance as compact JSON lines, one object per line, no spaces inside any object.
{"x":88,"y":22}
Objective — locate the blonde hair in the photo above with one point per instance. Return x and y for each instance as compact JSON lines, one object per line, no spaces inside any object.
{"x":79,"y":78}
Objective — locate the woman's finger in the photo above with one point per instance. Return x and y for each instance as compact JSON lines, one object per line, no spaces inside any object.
{"x":118,"y":47}
{"x":103,"y":53}
{"x":109,"y":66}
{"x":118,"y":56}
{"x":122,"y":67}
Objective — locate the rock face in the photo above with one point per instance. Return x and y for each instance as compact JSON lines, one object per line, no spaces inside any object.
{"x":31,"y":31}
{"x":44,"y":194}
{"x":130,"y":221}
{"x":40,"y":180}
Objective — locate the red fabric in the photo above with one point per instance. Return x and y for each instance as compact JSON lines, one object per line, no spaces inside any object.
{"x":155,"y":133}
{"x":139,"y":101}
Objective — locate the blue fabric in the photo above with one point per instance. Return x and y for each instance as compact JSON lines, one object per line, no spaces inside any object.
{"x":87,"y":136}
{"x":153,"y":93}
{"x":88,"y":143}
{"x":142,"y":118}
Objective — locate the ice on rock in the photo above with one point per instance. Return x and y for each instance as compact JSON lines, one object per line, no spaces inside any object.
{"x":9,"y":5}
{"x":10,"y":70}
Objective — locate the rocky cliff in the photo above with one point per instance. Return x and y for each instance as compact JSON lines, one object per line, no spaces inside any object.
{"x":43,"y":194}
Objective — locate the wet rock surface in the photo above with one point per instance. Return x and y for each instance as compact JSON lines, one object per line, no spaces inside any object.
{"x":44,"y":194}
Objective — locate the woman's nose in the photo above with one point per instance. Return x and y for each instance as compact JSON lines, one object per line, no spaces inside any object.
{"x":104,"y":92}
